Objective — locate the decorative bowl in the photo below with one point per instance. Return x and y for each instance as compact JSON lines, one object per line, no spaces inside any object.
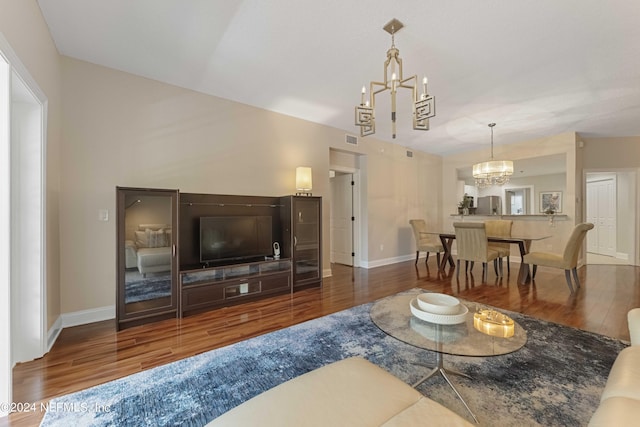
{"x":460,"y":316}
{"x":438,"y":303}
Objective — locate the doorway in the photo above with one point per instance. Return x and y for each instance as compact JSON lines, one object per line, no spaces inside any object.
{"x":344,"y":216}
{"x":23,"y":112}
{"x":611,"y":205}
{"x":341,"y":220}
{"x":517,"y":201}
{"x":601,"y":212}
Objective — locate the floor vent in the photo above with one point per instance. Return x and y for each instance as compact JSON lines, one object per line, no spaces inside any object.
{"x":351,"y":139}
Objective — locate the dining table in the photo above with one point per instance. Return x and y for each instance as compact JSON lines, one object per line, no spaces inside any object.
{"x":523,"y":240}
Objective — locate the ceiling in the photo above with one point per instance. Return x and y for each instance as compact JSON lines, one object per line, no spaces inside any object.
{"x":535,"y":67}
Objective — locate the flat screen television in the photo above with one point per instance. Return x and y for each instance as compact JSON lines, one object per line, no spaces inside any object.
{"x":228,"y":238}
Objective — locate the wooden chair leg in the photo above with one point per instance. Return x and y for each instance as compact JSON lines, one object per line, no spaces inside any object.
{"x":508,"y":266}
{"x":417,"y":256}
{"x":495,"y":266}
{"x":427,"y":258}
{"x":484,"y":271}
{"x":534,"y":268}
{"x":466,"y":267}
{"x":472,"y":264}
{"x":458,"y":269}
{"x":575,"y":278}
{"x":567,"y":275}
{"x":438,"y":258}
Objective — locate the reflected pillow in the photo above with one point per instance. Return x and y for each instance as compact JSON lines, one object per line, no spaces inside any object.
{"x":141,"y":239}
{"x":156,"y":238}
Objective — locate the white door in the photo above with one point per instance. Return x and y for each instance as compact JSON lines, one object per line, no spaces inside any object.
{"x":592,"y":215}
{"x":341,"y":218}
{"x":601,"y":211}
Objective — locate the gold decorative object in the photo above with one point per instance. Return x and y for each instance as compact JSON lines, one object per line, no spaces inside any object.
{"x":493,"y":323}
{"x":424,"y":106}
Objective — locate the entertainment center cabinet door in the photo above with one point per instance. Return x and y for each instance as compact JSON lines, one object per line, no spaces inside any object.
{"x":147,"y":264}
{"x":307,"y":254}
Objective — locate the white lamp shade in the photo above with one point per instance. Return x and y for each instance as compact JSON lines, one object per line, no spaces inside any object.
{"x":493,"y":167}
{"x":303,"y":178}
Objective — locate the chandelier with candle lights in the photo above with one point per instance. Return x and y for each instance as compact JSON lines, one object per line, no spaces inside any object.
{"x":424,"y":106}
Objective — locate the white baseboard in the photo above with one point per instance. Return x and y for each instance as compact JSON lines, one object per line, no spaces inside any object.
{"x":620,"y":255}
{"x":77,"y":318}
{"x":53,"y":333}
{"x":83,"y":317}
{"x":387,"y":261}
{"x":327,"y":272}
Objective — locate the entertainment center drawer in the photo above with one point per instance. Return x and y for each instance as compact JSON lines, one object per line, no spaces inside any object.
{"x":205,"y":289}
{"x":203,"y":296}
{"x":276,"y":282}
{"x":242,"y":288}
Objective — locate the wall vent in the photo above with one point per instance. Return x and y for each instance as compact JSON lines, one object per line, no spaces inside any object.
{"x":351,"y":139}
{"x":409,"y":153}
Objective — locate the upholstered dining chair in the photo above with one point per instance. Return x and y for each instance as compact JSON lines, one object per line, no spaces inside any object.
{"x":569,"y":258}
{"x":500,"y":228}
{"x":425,"y":242}
{"x":472,"y":245}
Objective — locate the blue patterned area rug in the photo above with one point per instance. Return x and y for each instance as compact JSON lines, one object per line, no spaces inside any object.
{"x":555,"y":380}
{"x":147,"y":288}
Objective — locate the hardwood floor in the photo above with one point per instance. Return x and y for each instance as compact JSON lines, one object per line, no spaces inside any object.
{"x":88,"y":355}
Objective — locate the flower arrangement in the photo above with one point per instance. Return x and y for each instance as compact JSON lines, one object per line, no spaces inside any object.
{"x":464,"y":205}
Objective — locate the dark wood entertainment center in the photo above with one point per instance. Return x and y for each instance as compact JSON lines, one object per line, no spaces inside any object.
{"x":201,"y":286}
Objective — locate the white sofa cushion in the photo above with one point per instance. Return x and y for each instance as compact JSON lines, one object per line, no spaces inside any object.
{"x":616,"y":412}
{"x":624,"y":378}
{"x":351,"y":392}
{"x":633,"y":317}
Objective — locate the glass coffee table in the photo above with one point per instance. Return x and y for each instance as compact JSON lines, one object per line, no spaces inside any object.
{"x":393,"y":316}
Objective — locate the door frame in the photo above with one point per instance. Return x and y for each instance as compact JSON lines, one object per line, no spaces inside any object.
{"x":356,"y":243}
{"x":32,"y":297}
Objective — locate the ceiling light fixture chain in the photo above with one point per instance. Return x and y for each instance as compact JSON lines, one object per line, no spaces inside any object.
{"x":424,"y":106}
{"x":491,"y":125}
{"x":492,"y":172}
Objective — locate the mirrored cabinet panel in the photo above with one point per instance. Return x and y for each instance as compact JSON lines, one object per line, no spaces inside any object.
{"x":147,"y":268}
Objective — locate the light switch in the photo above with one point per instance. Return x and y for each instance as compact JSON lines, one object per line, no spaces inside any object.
{"x":103,"y":215}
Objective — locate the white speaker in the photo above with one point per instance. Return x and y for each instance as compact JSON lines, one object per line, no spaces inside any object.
{"x":276,"y":250}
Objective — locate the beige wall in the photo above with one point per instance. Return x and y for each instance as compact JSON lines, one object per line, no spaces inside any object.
{"x":21,"y":23}
{"x":124,"y":130}
{"x":612,"y":153}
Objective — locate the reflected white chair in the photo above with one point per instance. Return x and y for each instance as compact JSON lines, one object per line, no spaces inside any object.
{"x":425,"y":242}
{"x":569,"y":258}
{"x":472,"y":246}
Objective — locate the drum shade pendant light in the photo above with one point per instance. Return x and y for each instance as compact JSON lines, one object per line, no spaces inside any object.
{"x":424,"y":106}
{"x":492,"y":172}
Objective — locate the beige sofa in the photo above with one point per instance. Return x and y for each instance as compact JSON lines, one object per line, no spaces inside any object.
{"x":620,"y":401}
{"x":351,"y":392}
{"x":151,"y":252}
